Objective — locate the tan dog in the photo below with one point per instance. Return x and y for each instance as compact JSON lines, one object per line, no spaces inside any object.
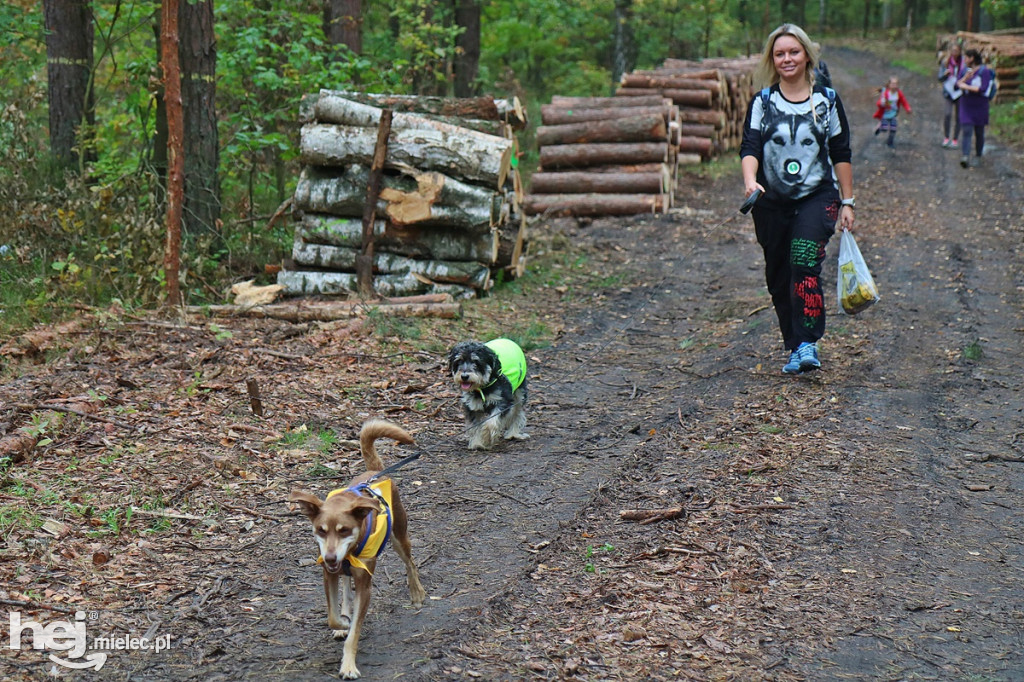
{"x":350,"y":528}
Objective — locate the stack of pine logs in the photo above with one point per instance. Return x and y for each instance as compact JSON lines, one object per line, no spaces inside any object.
{"x":605,"y":156}
{"x":1002,"y":50}
{"x":448,"y":214}
{"x":712,"y":96}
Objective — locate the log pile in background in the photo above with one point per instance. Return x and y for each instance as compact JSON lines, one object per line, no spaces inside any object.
{"x":712,"y":96}
{"x":449,"y":214}
{"x":605,"y":156}
{"x":1003,"y":51}
{"x":620,"y":155}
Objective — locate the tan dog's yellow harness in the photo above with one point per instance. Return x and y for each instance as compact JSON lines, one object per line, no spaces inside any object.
{"x":376,"y":527}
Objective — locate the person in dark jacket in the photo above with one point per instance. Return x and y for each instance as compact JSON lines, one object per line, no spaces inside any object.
{"x":796,"y":150}
{"x":975,"y":80}
{"x":821,"y":75}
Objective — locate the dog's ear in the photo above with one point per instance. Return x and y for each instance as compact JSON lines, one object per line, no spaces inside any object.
{"x":308,"y":504}
{"x":453,"y":357}
{"x":362,"y":506}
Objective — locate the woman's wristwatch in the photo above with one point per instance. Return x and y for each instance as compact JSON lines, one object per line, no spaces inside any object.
{"x":851,"y":202}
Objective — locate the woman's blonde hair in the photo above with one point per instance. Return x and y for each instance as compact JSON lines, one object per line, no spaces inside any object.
{"x":765,"y":74}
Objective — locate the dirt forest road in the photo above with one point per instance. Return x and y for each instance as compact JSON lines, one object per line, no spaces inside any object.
{"x":859,"y":523}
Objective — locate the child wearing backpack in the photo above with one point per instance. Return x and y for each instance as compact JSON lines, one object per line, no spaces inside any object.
{"x":977,"y":82}
{"x":888,"y":107}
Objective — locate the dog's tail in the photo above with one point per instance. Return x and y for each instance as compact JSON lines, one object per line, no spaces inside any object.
{"x":371,"y":431}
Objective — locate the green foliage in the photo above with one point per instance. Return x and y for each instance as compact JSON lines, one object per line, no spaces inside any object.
{"x":547,"y":47}
{"x":98,"y":237}
{"x":686,"y":30}
{"x":322,"y":440}
{"x":1008,"y":120}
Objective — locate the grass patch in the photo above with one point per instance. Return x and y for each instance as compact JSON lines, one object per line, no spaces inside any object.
{"x":1007,"y":122}
{"x":320,"y":440}
{"x":972,"y":351}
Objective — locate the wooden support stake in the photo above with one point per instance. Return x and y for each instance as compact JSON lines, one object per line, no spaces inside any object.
{"x":255,"y":403}
{"x":364,"y":262}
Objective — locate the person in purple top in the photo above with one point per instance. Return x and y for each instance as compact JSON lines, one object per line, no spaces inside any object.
{"x":975,"y":81}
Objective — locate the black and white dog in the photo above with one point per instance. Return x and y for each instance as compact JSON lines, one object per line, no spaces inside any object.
{"x":492,"y":378}
{"x":794,"y":156}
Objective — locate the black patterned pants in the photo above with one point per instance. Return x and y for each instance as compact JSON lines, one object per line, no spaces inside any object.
{"x":793,"y":238}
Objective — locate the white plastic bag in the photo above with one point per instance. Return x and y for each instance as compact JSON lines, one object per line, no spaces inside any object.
{"x":856,"y":289}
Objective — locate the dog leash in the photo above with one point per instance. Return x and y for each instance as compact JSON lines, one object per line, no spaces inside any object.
{"x":396,"y":466}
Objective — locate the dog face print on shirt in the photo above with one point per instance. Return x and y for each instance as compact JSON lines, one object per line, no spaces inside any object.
{"x":795,"y":153}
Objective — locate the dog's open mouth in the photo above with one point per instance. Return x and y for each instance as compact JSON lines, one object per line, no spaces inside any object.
{"x":466,"y":386}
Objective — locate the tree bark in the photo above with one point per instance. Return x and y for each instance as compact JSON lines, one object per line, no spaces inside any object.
{"x":344,"y":24}
{"x":69,"y":62}
{"x":465,"y":107}
{"x":600,"y":183}
{"x":603,"y":154}
{"x":636,"y":80}
{"x":333,"y":109}
{"x":322,"y":256}
{"x":715,"y":117}
{"x":622,"y":33}
{"x":696,"y":145}
{"x":697,"y":129}
{"x":309,"y":282}
{"x":326,"y":311}
{"x":648,"y":100}
{"x":467,"y":60}
{"x":169,"y":46}
{"x":429,"y":199}
{"x":413,"y":241}
{"x":646,"y":128}
{"x":594,"y":204}
{"x":554,"y":115}
{"x":476,"y":157}
{"x":198,"y":56}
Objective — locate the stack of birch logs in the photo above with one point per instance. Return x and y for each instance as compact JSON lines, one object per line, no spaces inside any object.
{"x":1002,"y":50}
{"x":448,"y":213}
{"x":712,"y":96}
{"x":605,"y":156}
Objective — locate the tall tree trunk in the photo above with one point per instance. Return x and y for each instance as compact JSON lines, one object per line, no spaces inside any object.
{"x":467,"y":59}
{"x":159,"y":141}
{"x":169,"y":42}
{"x":198,"y":56}
{"x":343,"y":23}
{"x":973,"y":19}
{"x":69,"y":54}
{"x":623,"y":36}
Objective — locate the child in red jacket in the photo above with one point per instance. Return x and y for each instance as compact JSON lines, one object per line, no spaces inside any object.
{"x":889,"y":103}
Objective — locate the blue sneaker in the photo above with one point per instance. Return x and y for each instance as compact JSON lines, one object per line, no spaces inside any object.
{"x":807,"y":357}
{"x":793,"y":366}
